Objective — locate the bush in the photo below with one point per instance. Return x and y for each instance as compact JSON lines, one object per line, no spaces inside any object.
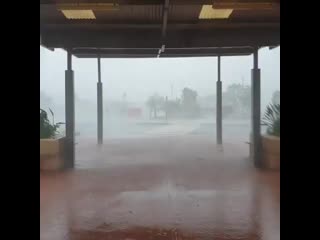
{"x":47,"y":130}
{"x":272,"y":119}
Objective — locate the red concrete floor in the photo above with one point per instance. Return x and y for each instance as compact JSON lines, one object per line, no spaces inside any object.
{"x":167,"y":188}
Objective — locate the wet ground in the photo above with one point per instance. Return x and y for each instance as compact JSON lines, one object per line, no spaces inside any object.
{"x":160,"y":188}
{"x":132,"y":128}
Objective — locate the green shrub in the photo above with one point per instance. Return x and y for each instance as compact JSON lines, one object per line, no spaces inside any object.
{"x":47,"y":130}
{"x":272,"y":119}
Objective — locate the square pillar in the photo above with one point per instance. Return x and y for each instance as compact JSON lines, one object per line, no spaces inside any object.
{"x":70,"y":116}
{"x":255,"y":149}
{"x":100,"y":112}
{"x":219,"y":105}
{"x":99,"y":106}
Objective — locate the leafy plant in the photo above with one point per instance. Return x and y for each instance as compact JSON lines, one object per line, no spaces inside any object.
{"x":155,"y":103}
{"x":47,"y":129}
{"x":272,"y":119}
{"x":189,"y":103}
{"x":238,"y":96}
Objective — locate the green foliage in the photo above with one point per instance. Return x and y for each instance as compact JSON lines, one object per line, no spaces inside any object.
{"x":272,"y":119}
{"x":155,"y":103}
{"x":173,"y":108}
{"x":47,"y":130}
{"x":187,"y":106}
{"x":189,"y":97}
{"x":190,"y":106}
{"x":239,"y":96}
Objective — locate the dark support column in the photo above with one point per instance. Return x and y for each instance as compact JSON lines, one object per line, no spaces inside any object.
{"x":99,"y":105}
{"x":219,"y":105}
{"x":69,"y":114}
{"x":255,"y":112}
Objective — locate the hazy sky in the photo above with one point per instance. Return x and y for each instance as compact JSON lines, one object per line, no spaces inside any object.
{"x":140,"y":78}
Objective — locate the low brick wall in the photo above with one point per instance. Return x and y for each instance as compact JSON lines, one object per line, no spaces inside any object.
{"x":52,"y":154}
{"x":271,"y":152}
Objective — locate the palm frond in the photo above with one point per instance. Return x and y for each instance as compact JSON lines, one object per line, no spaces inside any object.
{"x":272,"y":119}
{"x":47,"y":130}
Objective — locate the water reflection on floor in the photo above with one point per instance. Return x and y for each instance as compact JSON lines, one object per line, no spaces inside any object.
{"x":160,"y":188}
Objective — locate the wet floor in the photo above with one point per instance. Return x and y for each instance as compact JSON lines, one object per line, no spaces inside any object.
{"x":162,"y":188}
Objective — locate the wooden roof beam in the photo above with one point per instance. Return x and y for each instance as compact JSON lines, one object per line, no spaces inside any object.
{"x":172,"y":26}
{"x":163,"y":55}
{"x":152,"y":38}
{"x":156,"y":2}
{"x":153,"y":51}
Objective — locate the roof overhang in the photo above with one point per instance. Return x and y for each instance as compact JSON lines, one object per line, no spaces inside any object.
{"x":141,"y":28}
{"x":154,"y":52}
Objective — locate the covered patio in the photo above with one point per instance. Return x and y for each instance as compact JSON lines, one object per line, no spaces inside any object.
{"x":191,"y":190}
{"x":162,"y":189}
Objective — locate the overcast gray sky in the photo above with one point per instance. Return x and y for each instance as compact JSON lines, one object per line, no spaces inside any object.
{"x":140,"y":78}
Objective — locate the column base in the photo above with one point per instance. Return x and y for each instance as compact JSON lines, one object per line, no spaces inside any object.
{"x":220,"y":147}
